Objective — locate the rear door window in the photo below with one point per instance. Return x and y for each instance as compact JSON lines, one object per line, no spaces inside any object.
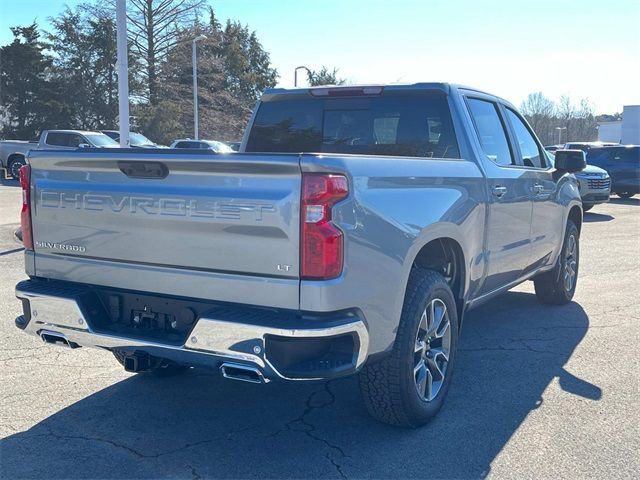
{"x":491,"y":131}
{"x":58,"y":139}
{"x":392,"y":125}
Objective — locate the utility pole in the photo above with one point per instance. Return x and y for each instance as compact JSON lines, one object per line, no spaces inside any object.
{"x":194,"y":61}
{"x":560,"y":132}
{"x":123,"y":72}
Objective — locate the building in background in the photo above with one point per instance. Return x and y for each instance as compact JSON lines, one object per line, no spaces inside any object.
{"x":625,"y":131}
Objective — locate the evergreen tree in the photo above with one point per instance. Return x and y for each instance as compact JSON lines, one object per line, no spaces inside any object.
{"x":23,"y":83}
{"x":324,"y":76}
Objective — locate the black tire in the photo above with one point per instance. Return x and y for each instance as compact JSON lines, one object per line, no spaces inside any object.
{"x":586,"y":208}
{"x":14,"y":166}
{"x":552,"y":287}
{"x":389,"y":387}
{"x":625,"y":195}
{"x":161,"y":368}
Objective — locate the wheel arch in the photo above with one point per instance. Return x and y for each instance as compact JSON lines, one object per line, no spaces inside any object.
{"x":445,"y":255}
{"x":575,"y":215}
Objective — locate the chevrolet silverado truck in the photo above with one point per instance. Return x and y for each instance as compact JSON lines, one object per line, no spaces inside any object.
{"x":13,"y":153}
{"x":350,"y":234}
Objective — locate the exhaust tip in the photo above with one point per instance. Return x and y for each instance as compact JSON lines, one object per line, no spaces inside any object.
{"x":55,"y":338}
{"x":243,"y":373}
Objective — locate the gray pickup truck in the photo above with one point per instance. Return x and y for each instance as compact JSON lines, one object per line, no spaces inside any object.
{"x":351,"y":233}
{"x":13,"y":153}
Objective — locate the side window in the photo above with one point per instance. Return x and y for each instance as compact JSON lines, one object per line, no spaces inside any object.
{"x":58,"y":139}
{"x":188,"y":145}
{"x":531,"y":156}
{"x":76,"y":140}
{"x":491,"y":131}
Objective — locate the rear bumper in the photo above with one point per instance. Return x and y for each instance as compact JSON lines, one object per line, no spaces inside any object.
{"x":325,"y":347}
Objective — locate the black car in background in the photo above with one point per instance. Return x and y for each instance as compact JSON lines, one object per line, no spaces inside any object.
{"x":622,"y":162}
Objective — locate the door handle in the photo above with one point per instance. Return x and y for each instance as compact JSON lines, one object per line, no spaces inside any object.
{"x":538,"y":188}
{"x":499,"y":190}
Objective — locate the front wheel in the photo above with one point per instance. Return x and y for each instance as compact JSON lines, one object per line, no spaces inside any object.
{"x":557,"y":286}
{"x":625,"y":195}
{"x":409,"y":387}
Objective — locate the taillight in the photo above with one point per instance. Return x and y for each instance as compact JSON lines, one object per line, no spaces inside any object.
{"x":25,"y":213}
{"x":321,"y":245}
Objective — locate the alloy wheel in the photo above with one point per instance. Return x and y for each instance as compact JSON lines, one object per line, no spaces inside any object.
{"x":432,"y":347}
{"x":570,"y":263}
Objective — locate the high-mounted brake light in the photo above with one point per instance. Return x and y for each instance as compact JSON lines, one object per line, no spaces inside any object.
{"x":25,"y":213}
{"x":321,"y":245}
{"x":346,"y":91}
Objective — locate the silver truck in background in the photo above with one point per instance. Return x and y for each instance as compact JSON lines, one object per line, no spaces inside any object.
{"x":13,"y":153}
{"x":350,"y":234}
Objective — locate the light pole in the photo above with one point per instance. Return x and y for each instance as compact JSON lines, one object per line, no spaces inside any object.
{"x":123,"y":72}
{"x":560,"y":132}
{"x":295,"y":74}
{"x":195,"y":85}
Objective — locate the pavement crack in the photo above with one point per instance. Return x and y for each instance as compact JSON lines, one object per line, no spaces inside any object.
{"x":304,"y":425}
{"x":194,"y":473}
{"x":133,"y":451}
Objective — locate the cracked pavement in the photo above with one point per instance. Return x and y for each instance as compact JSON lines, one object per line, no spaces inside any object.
{"x":539,"y":391}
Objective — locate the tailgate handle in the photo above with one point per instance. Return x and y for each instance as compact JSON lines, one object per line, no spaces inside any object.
{"x":144,"y":169}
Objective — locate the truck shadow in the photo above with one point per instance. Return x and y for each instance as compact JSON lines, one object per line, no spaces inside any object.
{"x":592,"y":217}
{"x":200,"y":426}
{"x":625,"y":201}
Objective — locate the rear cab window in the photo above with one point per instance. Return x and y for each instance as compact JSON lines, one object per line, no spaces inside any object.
{"x":412,"y":125}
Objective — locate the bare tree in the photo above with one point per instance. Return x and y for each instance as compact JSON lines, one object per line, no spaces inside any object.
{"x":153,"y":31}
{"x":539,"y":111}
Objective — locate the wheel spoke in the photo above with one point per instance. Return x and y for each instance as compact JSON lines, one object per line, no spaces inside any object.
{"x":435,"y":369}
{"x":424,"y":321}
{"x":440,"y":352}
{"x":420,"y":346}
{"x":444,"y":328}
{"x":429,"y":391}
{"x":438,"y":314}
{"x":422,"y":379}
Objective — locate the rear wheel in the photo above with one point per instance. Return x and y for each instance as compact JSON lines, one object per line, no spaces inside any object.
{"x":15,"y":165}
{"x":625,"y":195}
{"x":409,"y":387}
{"x":558,"y":286}
{"x":160,"y":366}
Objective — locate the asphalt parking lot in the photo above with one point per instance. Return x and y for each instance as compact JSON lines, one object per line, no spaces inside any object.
{"x":539,"y":391}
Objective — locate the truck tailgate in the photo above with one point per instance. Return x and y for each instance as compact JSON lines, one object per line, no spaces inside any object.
{"x":168,"y":217}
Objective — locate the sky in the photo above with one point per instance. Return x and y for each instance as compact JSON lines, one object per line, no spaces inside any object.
{"x":581,"y":48}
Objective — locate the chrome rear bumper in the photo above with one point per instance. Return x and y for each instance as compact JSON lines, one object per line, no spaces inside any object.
{"x":54,"y":312}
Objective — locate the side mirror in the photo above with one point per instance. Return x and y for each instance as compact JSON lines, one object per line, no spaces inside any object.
{"x":570,"y":161}
{"x":84,"y":145}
